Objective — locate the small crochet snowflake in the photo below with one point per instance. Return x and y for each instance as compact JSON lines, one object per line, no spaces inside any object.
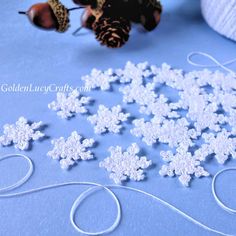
{"x":222,"y":145}
{"x":166,"y":75}
{"x":21,"y":134}
{"x":69,"y":150}
{"x":124,"y":165}
{"x":176,"y":133}
{"x":182,"y":164}
{"x":68,"y":106}
{"x":160,"y":109}
{"x":147,"y":130}
{"x":108,"y":119}
{"x":133,"y":73}
{"x":140,"y":94}
{"x":99,"y":79}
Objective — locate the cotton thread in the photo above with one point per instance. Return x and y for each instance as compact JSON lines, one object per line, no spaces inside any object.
{"x":217,"y":63}
{"x":96,"y":186}
{"x":217,"y":199}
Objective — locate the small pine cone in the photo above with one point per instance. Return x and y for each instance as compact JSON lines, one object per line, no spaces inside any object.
{"x":112,"y":31}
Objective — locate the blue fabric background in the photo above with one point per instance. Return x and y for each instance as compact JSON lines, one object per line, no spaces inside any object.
{"x":28,"y":55}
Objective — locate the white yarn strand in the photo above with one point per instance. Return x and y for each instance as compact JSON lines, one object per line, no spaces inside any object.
{"x":22,"y":180}
{"x":81,"y":198}
{"x":217,"y":63}
{"x":96,"y":186}
{"x":213,"y":187}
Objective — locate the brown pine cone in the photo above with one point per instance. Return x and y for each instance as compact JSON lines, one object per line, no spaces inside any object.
{"x":112,"y":31}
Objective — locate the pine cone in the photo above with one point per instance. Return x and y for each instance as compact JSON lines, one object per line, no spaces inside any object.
{"x":112,"y":31}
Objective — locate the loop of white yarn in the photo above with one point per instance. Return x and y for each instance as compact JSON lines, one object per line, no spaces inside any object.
{"x":22,"y":180}
{"x":219,"y":202}
{"x":107,"y":188}
{"x":217,"y":63}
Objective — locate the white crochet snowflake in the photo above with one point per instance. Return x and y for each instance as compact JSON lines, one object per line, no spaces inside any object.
{"x":140,"y":94}
{"x":176,"y":133}
{"x":21,"y":133}
{"x":68,"y":106}
{"x":124,"y":165}
{"x":99,"y":79}
{"x":166,"y":75}
{"x":108,"y":119}
{"x":133,"y":73}
{"x":183,"y":165}
{"x":160,"y":109}
{"x":222,"y":145}
{"x":69,"y":150}
{"x":149,"y":131}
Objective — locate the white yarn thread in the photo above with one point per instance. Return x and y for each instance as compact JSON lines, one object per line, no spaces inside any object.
{"x":96,"y":186}
{"x":22,"y":180}
{"x":217,"y":63}
{"x":221,"y":16}
{"x":219,"y":202}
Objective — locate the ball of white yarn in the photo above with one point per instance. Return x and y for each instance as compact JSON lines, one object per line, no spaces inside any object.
{"x":221,"y":16}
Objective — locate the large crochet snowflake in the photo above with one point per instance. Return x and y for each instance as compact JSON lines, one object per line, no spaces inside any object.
{"x":108,"y":119}
{"x":69,"y":150}
{"x":99,"y":79}
{"x":21,"y":133}
{"x":182,"y":164}
{"x":124,"y":165}
{"x":67,"y":106}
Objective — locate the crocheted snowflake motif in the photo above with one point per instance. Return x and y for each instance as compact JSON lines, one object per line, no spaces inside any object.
{"x":68,"y":106}
{"x":147,"y":130}
{"x":166,"y":75}
{"x":209,"y":119}
{"x":21,"y":133}
{"x":183,"y":165}
{"x":160,"y":109}
{"x":99,"y":79}
{"x":176,"y":133}
{"x":70,"y":150}
{"x":222,"y":145}
{"x":108,"y":119}
{"x":140,"y":94}
{"x":133,"y":73}
{"x":124,"y":165}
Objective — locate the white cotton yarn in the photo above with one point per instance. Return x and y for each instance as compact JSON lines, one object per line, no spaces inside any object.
{"x":93,"y":187}
{"x":221,"y":16}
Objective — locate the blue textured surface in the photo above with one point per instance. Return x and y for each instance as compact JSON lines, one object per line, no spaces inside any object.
{"x":28,"y":55}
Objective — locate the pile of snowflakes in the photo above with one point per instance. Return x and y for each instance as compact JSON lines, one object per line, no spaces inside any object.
{"x":199,"y":124}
